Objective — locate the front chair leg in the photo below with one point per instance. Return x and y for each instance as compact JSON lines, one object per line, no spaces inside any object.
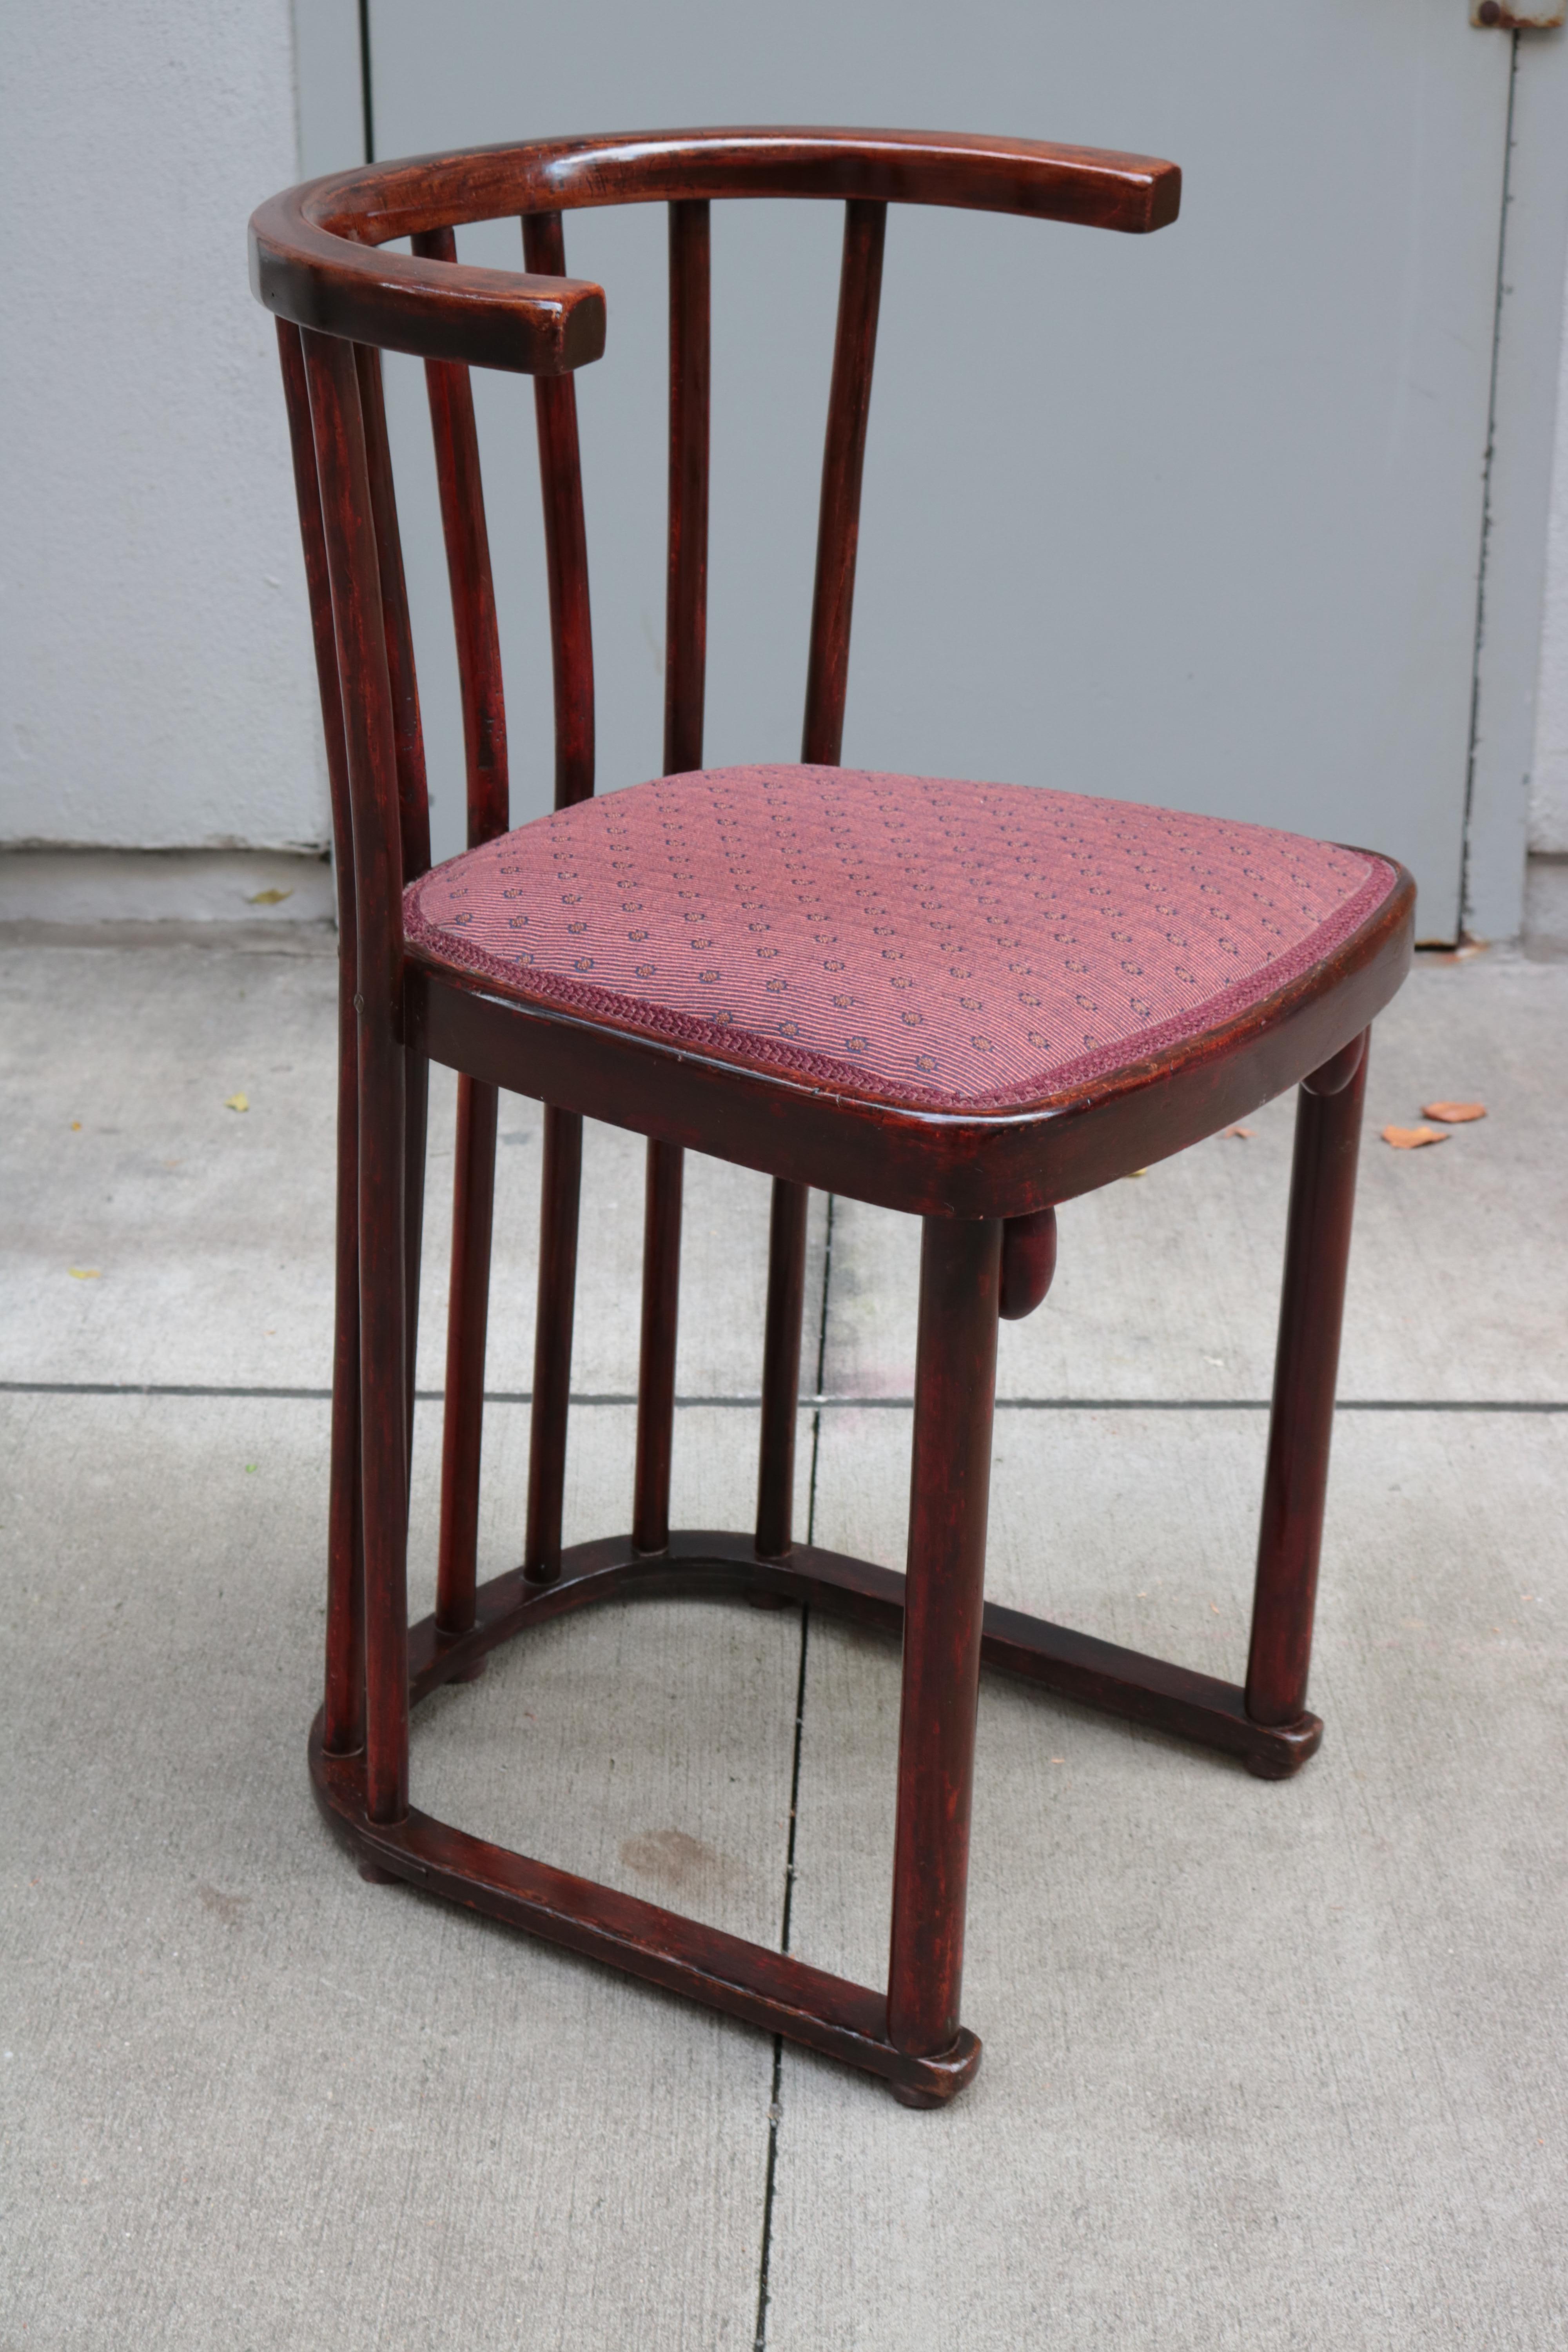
{"x":383,"y":1405}
{"x":1302,"y":1419}
{"x":955,"y":1384}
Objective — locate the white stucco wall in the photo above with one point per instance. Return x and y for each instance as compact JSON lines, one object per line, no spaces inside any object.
{"x":1549,"y":773}
{"x":155,"y":677}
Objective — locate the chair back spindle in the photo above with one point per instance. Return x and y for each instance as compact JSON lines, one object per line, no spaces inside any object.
{"x":460,"y":484}
{"x":685,"y":598}
{"x":565,"y":541}
{"x":843,"y":460}
{"x":413,"y":800}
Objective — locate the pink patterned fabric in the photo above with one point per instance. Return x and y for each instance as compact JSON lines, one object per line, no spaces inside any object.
{"x":897,"y":938}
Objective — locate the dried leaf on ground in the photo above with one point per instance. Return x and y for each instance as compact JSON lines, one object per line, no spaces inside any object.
{"x":1242,"y":1134}
{"x":268,"y":897}
{"x":86,"y":1273}
{"x":1454,"y":1113}
{"x":1411,"y":1138}
{"x":236,"y":1102}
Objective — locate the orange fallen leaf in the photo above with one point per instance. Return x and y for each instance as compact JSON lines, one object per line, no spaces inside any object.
{"x":1243,"y":1134}
{"x":268,"y":897}
{"x":86,"y":1273}
{"x":76,"y":1127}
{"x":1454,"y":1113}
{"x":1411,"y":1138}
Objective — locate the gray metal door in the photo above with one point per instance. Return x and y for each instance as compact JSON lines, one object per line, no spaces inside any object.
{"x":1193,"y":519}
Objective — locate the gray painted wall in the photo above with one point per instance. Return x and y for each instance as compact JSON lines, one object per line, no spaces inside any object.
{"x":155,"y":672}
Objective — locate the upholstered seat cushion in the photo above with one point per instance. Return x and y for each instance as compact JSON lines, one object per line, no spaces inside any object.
{"x":934,"y":944}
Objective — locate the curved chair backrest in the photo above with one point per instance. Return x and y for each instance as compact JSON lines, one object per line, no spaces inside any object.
{"x":317,"y":261}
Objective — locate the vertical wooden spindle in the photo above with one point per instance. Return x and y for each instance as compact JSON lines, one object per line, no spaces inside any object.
{"x":955,"y":1386}
{"x":781,"y":1367}
{"x":343,"y":1728}
{"x":460,"y":484}
{"x":822,"y":735}
{"x":843,"y":463}
{"x":552,"y":1342}
{"x":1301,"y":1417}
{"x":343,"y":474}
{"x":685,"y":673}
{"x":572,"y":648}
{"x":413,"y":805}
{"x":656,"y":1367}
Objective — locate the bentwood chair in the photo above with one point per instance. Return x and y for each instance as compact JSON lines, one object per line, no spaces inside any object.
{"x":967,"y":1002}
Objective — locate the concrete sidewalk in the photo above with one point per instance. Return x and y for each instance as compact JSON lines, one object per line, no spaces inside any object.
{"x":1267,"y":2066}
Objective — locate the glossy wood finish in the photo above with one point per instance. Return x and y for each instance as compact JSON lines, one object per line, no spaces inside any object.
{"x":685,"y":686}
{"x":565,"y":545}
{"x":949,"y":1481}
{"x":344,"y":1715}
{"x":468,"y":1325}
{"x":559,"y":1198}
{"x":1028,"y":1264}
{"x":656,"y":1370}
{"x":986,"y":1185}
{"x":1301,"y":1417}
{"x":465,"y":532}
{"x":315,"y":254}
{"x":843,"y":462}
{"x":344,"y":475}
{"x":781,"y":1369}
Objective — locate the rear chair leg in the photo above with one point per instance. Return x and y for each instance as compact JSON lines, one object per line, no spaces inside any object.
{"x":1301,"y":1420}
{"x":955,"y":1386}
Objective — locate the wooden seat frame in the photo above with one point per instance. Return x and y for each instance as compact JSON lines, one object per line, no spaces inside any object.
{"x":985,"y":1185}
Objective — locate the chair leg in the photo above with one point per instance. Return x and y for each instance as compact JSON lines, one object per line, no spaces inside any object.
{"x":384,"y":1407}
{"x":1302,"y":1419}
{"x":656,"y":1372}
{"x":467,"y":1316}
{"x":781,"y":1369}
{"x":343,"y":1724}
{"x":553,"y":1343}
{"x":955,"y":1384}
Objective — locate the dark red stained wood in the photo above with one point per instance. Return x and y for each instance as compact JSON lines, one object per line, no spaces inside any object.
{"x":843,"y":462}
{"x":781,"y":1369}
{"x":344,"y":1717}
{"x":460,"y":483}
{"x":768,"y":1990}
{"x":987,"y":1186}
{"x":1302,"y":1419}
{"x":955,"y":1387}
{"x":929,"y":1163}
{"x":706,"y":1564}
{"x":353,"y":568}
{"x":314,"y":258}
{"x":473,"y":1198}
{"x":461,"y":490}
{"x":1028,"y":1263}
{"x":565,"y":545}
{"x":655,"y":1372}
{"x":686,"y":593}
{"x":685,"y":671}
{"x":552,"y":1342}
{"x":413,"y":799}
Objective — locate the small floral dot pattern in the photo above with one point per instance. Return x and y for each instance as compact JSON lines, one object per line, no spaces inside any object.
{"x":904,"y":939}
